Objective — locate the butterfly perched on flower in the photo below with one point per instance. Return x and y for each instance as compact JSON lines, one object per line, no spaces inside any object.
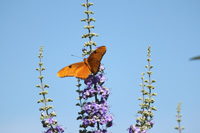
{"x":83,"y":69}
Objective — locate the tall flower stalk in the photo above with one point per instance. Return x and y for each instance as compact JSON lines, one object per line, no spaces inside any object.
{"x":179,"y":115}
{"x":93,"y":98}
{"x":144,"y":120}
{"x":47,"y":119}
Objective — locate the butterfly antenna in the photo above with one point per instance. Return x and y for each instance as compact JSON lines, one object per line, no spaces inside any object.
{"x":76,"y":56}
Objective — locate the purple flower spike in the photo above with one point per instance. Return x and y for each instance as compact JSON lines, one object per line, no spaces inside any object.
{"x":96,"y":111}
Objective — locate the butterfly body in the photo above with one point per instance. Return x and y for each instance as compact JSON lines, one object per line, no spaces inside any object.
{"x":83,"y":69}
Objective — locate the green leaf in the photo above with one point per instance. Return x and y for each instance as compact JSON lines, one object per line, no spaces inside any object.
{"x":92,"y":19}
{"x":49,"y":107}
{"x":88,"y":12}
{"x":78,"y":85}
{"x":41,"y":77}
{"x":43,"y":92}
{"x":90,"y":4}
{"x":41,"y":100}
{"x":38,"y":86}
{"x":176,"y":128}
{"x":139,"y":98}
{"x":88,"y":27}
{"x":78,"y":104}
{"x":42,"y":108}
{"x":84,"y":5}
{"x":78,"y":118}
{"x":49,"y":100}
{"x":84,"y":19}
{"x":46,"y":86}
{"x":154,"y":94}
{"x":85,"y":35}
{"x":40,"y":64}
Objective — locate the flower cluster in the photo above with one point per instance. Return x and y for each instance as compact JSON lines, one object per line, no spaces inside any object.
{"x":98,"y":80}
{"x":95,"y":112}
{"x":47,"y":118}
{"x":144,"y":122}
{"x":51,"y":124}
{"x":134,"y":129}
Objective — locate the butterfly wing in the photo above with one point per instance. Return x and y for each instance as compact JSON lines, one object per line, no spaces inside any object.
{"x":79,"y":70}
{"x":83,"y":72}
{"x":95,"y":58}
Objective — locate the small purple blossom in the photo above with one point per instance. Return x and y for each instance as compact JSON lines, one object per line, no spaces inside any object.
{"x":100,"y":131}
{"x":59,"y":129}
{"x":135,"y":129}
{"x":130,"y":129}
{"x":101,"y":68}
{"x":50,"y":120}
{"x":89,"y":81}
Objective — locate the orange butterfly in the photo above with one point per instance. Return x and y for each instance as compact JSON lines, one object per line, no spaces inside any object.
{"x":83,"y":69}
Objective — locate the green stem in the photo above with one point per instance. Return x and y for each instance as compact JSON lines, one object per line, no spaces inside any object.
{"x":96,"y":101}
{"x":88,"y":18}
{"x":81,"y":105}
{"x":149,"y":67}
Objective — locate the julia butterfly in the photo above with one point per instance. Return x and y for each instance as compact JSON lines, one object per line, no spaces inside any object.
{"x":83,"y":69}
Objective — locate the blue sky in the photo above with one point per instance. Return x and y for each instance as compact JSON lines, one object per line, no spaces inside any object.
{"x":126,"y":28}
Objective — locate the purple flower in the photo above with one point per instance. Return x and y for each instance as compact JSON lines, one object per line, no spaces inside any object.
{"x":134,"y":129}
{"x":102,"y":78}
{"x":151,"y":122}
{"x":100,"y":131}
{"x":96,"y":79}
{"x":89,"y":81}
{"x":101,"y":68}
{"x":130,"y":129}
{"x":92,"y":91}
{"x":59,"y":129}
{"x":145,"y":131}
{"x":137,"y":130}
{"x":49,"y":131}
{"x":109,"y":120}
{"x":49,"y":120}
{"x":86,"y":121}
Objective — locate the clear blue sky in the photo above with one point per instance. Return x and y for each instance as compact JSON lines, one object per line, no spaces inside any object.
{"x":127,"y":28}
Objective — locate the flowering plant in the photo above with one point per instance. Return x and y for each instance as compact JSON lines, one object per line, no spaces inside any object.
{"x":48,"y":121}
{"x":144,"y":120}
